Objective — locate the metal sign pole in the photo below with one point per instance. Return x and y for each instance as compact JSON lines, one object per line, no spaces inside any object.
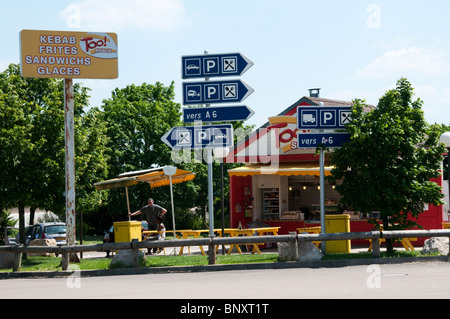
{"x":322,"y":197}
{"x":70,"y":163}
{"x":209,"y":161}
{"x":173,"y":215}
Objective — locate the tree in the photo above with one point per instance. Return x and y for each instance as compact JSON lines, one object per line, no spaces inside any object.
{"x":32,"y":145}
{"x":136,"y":118}
{"x":20,"y":142}
{"x":389,"y":161}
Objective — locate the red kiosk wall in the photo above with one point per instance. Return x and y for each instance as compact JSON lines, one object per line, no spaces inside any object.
{"x":430,"y":219}
{"x":241,"y":199}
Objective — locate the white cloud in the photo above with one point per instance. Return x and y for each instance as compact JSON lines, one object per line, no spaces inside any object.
{"x":412,"y":60}
{"x":112,"y":15}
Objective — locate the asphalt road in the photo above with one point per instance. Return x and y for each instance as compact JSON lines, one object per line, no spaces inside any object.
{"x":410,"y":281}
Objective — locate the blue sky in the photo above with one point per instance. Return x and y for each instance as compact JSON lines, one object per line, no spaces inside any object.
{"x":350,"y":48}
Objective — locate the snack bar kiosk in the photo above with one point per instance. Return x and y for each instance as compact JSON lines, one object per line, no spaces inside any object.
{"x":279,"y":184}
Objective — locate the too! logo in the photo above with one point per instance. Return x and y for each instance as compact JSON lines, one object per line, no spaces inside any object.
{"x":92,"y":43}
{"x":99,"y":45}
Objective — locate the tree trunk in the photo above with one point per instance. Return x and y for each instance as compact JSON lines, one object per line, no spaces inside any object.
{"x":21,"y":222}
{"x":32,"y":214}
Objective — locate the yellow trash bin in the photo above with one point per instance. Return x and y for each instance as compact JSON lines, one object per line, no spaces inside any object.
{"x":337,"y":224}
{"x":127,"y":231}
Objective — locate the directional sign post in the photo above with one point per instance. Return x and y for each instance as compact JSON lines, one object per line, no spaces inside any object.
{"x":210,"y":92}
{"x":323,"y":117}
{"x":200,"y":137}
{"x":217,"y":114}
{"x":214,"y":65}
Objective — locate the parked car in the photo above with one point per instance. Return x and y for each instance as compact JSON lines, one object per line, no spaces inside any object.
{"x":54,"y":230}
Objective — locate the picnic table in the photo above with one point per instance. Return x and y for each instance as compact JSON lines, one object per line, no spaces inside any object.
{"x":236,"y":232}
{"x":232,"y":232}
{"x":189,"y":232}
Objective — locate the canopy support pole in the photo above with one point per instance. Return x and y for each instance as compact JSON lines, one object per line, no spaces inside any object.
{"x":128,"y":203}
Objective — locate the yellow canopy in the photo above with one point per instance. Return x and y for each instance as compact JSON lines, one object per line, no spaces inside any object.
{"x":285,"y":169}
{"x":155,"y":177}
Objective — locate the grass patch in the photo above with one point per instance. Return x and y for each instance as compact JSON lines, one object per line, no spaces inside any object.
{"x":53,"y":263}
{"x":195,"y":260}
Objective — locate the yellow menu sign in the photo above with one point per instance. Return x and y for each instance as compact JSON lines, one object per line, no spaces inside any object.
{"x":61,"y":54}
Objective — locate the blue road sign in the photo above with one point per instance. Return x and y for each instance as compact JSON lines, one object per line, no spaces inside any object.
{"x":323,"y":117}
{"x":199,"y":137}
{"x":217,"y":114}
{"x":214,"y":65}
{"x":312,"y":140}
{"x":233,"y":91}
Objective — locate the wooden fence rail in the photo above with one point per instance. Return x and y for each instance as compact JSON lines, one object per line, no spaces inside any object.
{"x":212,"y":242}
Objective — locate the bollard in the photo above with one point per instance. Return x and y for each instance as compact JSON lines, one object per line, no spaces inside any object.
{"x":65,"y":261}
{"x":211,"y":252}
{"x":376,"y":247}
{"x":293,"y":248}
{"x":17,"y":261}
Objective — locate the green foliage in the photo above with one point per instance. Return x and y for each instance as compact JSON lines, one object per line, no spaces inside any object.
{"x":32,"y":145}
{"x":6,"y":220}
{"x":137,"y":117}
{"x":124,"y":135}
{"x":389,"y":161}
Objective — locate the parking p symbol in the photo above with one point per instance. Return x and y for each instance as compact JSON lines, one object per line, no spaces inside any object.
{"x":211,"y":91}
{"x":327,"y":116}
{"x":210,"y":65}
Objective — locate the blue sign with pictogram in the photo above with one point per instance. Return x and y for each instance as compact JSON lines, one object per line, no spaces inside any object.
{"x":233,"y":91}
{"x":323,"y":117}
{"x":214,"y":65}
{"x":199,"y":137}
